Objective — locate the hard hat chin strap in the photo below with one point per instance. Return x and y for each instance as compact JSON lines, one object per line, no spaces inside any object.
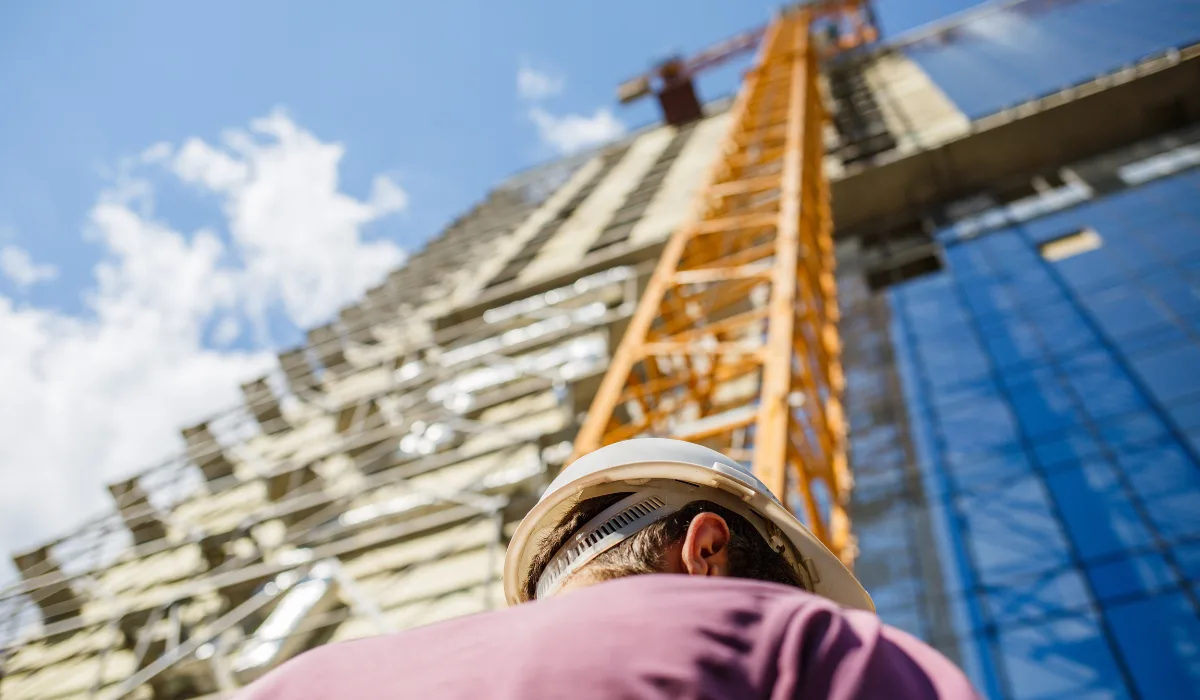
{"x":625,"y":518}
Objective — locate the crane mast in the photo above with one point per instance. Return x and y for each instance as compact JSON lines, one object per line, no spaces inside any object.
{"x":734,"y":343}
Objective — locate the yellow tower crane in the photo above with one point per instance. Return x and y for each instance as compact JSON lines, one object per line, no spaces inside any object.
{"x":734,"y":343}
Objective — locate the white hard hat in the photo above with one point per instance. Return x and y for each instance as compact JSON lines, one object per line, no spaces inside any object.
{"x":664,"y":475}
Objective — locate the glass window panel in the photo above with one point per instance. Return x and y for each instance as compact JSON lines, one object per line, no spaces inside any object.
{"x":1193,"y":440}
{"x":1141,"y":574}
{"x":930,"y":335}
{"x":1128,"y":253}
{"x":1151,"y":340}
{"x":1133,"y":429}
{"x":1028,"y":270}
{"x":1030,"y":289}
{"x":934,"y":316}
{"x":944,"y":398}
{"x":945,"y":394}
{"x":1169,"y":484}
{"x":990,"y":468}
{"x":1124,"y":311}
{"x":977,"y":426}
{"x":1096,"y":510}
{"x":1094,"y":361}
{"x":1088,"y":271}
{"x":1186,"y":415}
{"x":1009,"y":534}
{"x":1103,"y":387}
{"x":1160,"y":469}
{"x":1176,"y":515}
{"x":1062,"y":328}
{"x":1181,"y":295}
{"x":942,"y":331}
{"x":1175,"y":234}
{"x":1055,"y":225}
{"x":924,"y":288}
{"x":988,"y":300}
{"x":1012,"y":529}
{"x":1187,"y":554}
{"x":947,"y":365}
{"x":1068,"y":448}
{"x":908,"y":372}
{"x":1160,"y":640}
{"x":1014,"y":344}
{"x":969,"y":261}
{"x":1002,"y":58}
{"x":1008,"y":248}
{"x":1125,"y":205}
{"x":1171,"y":373}
{"x":1044,"y":408}
{"x":1022,"y":377}
{"x":1049,"y":594}
{"x":1176,"y":186}
{"x":1067,"y":658}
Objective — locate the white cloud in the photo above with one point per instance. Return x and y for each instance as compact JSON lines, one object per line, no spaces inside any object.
{"x":387,"y":196}
{"x":570,"y":133}
{"x":157,"y":153}
{"x":18,"y":266}
{"x":565,"y":133}
{"x":298,"y":234}
{"x":199,"y":163}
{"x":89,"y":399}
{"x":227,"y":330}
{"x":533,"y":84}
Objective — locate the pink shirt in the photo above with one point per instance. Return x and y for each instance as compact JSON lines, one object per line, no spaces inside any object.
{"x":645,"y":637}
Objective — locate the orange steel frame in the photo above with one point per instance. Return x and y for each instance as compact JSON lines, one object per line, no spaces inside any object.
{"x":734,"y":343}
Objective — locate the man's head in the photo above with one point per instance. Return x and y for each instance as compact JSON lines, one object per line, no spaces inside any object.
{"x":701,"y":539}
{"x":660,"y":505}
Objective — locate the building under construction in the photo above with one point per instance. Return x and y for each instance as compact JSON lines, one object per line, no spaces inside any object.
{"x":1010,"y":371}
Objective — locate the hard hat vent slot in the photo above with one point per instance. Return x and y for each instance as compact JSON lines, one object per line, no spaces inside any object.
{"x":601,"y":534}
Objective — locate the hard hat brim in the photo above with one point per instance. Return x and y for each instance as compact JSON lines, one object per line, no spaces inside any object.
{"x":832,"y":579}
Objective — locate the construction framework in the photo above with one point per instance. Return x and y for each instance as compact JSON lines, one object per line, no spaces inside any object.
{"x":734,"y":343}
{"x":377,"y":473}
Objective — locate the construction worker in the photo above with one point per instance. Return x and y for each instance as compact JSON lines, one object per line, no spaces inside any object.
{"x":650,"y":568}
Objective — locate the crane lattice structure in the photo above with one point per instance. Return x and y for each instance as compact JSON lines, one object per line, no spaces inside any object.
{"x":734,"y":343}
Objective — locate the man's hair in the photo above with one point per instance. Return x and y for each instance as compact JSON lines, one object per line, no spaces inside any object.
{"x":645,"y":552}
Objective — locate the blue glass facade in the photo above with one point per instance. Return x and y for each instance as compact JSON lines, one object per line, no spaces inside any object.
{"x":1052,"y":405}
{"x":1004,"y":56}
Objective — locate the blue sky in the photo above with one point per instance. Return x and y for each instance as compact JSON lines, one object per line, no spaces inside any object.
{"x":185,"y":186}
{"x":421,"y":90}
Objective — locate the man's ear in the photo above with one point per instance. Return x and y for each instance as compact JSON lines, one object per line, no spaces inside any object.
{"x":706,"y":546}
